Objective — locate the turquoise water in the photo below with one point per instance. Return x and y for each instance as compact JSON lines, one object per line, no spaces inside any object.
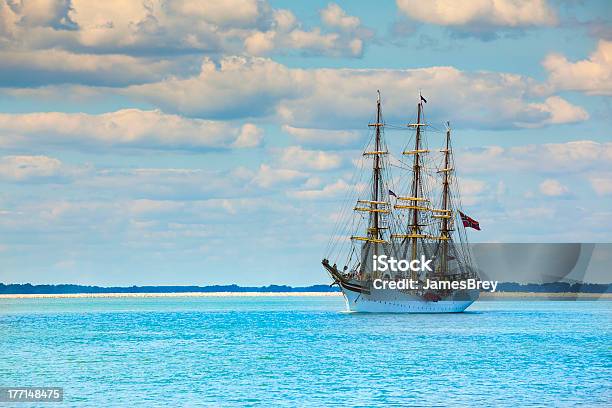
{"x":302,"y":351}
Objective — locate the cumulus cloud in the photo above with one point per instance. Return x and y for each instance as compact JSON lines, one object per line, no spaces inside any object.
{"x":602,"y":183}
{"x":310,"y":42}
{"x":19,"y":68}
{"x":549,"y":158}
{"x":154,"y":26}
{"x":114,"y":43}
{"x":345,"y":38}
{"x":234,"y":13}
{"x":592,"y":76}
{"x":268,"y":176}
{"x":558,"y":111}
{"x":341,"y":98}
{"x":472,"y":186}
{"x":328,"y":191}
{"x":553,"y":188}
{"x":480,"y":13}
{"x":296,"y":157}
{"x":156,"y":184}
{"x":322,"y":137}
{"x":236,"y":87}
{"x":49,"y":39}
{"x":334,"y":16}
{"x":249,"y":136}
{"x":473,"y":191}
{"x":124,"y":128}
{"x":29,"y":14}
{"x":29,"y":168}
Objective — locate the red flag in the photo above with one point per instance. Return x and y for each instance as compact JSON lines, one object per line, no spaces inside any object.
{"x":469,"y":222}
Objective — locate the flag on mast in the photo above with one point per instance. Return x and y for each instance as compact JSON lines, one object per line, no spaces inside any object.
{"x":469,"y":222}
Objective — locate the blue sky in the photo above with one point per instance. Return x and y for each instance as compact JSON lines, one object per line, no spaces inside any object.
{"x":192,"y":142}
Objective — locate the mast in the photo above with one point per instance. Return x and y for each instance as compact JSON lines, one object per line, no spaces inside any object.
{"x":375,"y":206}
{"x":444,"y":232}
{"x":416,"y":201}
{"x":416,"y":180}
{"x":375,"y":233}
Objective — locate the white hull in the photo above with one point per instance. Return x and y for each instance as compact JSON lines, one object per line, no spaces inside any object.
{"x":398,"y":302}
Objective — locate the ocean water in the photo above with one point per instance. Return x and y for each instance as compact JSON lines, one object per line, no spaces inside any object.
{"x":303,"y":351}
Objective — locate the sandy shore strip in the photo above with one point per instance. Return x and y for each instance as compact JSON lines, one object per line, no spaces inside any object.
{"x":543,"y":296}
{"x":168,"y":294}
{"x":483,"y":295}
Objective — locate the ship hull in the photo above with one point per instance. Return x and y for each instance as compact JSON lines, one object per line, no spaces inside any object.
{"x":361,"y":296}
{"x":400,"y":302}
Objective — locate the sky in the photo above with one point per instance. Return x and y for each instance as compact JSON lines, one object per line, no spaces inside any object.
{"x":212,"y":142}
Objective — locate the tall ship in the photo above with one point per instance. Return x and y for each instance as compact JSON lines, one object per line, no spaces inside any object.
{"x":404,"y":206}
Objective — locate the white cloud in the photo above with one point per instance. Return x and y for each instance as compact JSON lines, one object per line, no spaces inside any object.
{"x":24,"y":168}
{"x":156,"y":185}
{"x":163,"y":183}
{"x":558,"y":111}
{"x":313,"y":40}
{"x":313,"y":182}
{"x":330,"y":190}
{"x":549,"y":158}
{"x":322,"y":137}
{"x":472,"y":186}
{"x":285,"y":20}
{"x":146,"y":206}
{"x":236,"y":13}
{"x":35,"y":13}
{"x":41,"y":67}
{"x":250,"y":136}
{"x":158,"y":25}
{"x":268,"y":176}
{"x":187,"y":184}
{"x":117,"y":43}
{"x":237,"y":87}
{"x":260,"y":43}
{"x":471,"y":190}
{"x":161,"y":28}
{"x":592,"y":76}
{"x":296,"y":157}
{"x":334,"y":16}
{"x":532,"y":213}
{"x":345,"y":98}
{"x":602,"y":183}
{"x":478,"y":13}
{"x":287,"y":34}
{"x":128,"y":128}
{"x":553,"y":188}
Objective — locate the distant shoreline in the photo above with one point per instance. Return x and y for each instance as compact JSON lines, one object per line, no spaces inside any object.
{"x":483,"y":295}
{"x":542,"y":289}
{"x":163,"y":294}
{"x":544,"y":295}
